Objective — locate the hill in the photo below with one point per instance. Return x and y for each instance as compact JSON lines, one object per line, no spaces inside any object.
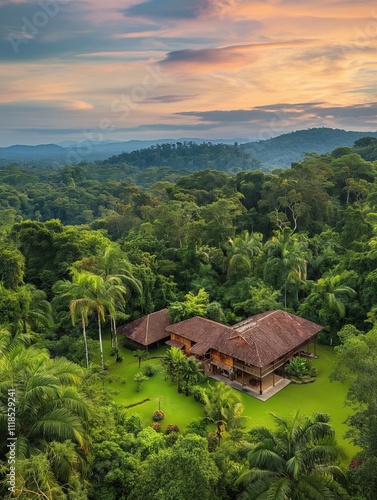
{"x":281,"y":151}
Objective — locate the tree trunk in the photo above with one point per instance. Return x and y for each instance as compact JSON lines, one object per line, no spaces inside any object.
{"x":100,"y":340}
{"x":85,"y":340}
{"x":115,"y":332}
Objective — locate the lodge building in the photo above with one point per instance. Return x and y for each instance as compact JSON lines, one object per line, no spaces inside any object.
{"x":252,"y":353}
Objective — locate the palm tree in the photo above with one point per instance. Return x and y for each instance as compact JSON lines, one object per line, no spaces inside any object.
{"x":99,"y":295}
{"x":329,"y":292}
{"x":299,"y":460}
{"x":172,"y":361}
{"x":141,"y":355}
{"x":223,"y":407}
{"x":116,"y":270}
{"x":49,"y":404}
{"x":81,"y":303}
{"x":190,"y":372}
{"x":31,"y":311}
{"x":243,"y":249}
{"x":288,"y":254}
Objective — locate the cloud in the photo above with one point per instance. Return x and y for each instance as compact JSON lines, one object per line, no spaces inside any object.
{"x":286,"y":112}
{"x":223,"y":57}
{"x":172,"y":98}
{"x":170,"y":9}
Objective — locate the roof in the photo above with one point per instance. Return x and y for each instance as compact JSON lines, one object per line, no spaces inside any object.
{"x":202,"y":332}
{"x":148,"y":329}
{"x":266,"y":337}
{"x":257,"y":341}
{"x":175,"y":343}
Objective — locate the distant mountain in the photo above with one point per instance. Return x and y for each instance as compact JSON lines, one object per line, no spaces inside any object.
{"x":281,"y":151}
{"x":71,"y":152}
{"x":278,"y":152}
{"x":20,"y":153}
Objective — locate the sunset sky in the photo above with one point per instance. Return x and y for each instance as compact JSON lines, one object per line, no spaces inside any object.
{"x":128,"y":69}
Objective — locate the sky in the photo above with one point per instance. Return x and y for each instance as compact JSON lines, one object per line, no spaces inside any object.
{"x":78,"y":70}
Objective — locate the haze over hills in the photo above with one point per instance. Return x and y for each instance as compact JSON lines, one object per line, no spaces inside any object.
{"x":277,"y":152}
{"x":71,"y":152}
{"x":282,"y":151}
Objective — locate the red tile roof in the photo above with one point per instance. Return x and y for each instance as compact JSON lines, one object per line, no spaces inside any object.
{"x":148,"y":329}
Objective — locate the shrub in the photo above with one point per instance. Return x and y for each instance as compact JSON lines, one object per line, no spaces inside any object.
{"x":171,"y":428}
{"x":198,"y":394}
{"x":149,"y":370}
{"x":157,"y":427}
{"x":158,"y":415}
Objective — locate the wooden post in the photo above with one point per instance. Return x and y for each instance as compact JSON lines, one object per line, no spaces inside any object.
{"x":273,"y":374}
{"x":260,"y":382}
{"x":315,"y":347}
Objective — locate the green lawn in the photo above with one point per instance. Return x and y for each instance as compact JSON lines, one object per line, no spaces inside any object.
{"x":320,"y":396}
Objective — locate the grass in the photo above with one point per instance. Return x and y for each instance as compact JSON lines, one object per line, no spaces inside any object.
{"x":320,"y":396}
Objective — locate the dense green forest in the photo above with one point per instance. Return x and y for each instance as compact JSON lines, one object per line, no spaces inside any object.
{"x":86,"y":247}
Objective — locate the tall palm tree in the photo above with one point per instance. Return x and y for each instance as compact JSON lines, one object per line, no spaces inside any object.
{"x":116,"y":301}
{"x":288,"y":254}
{"x":81,"y":302}
{"x":299,"y":460}
{"x":99,"y":295}
{"x":223,"y":407}
{"x":116,"y":270}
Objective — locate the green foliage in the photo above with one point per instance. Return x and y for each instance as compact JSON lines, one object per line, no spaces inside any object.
{"x":300,"y":459}
{"x":193,"y":305}
{"x":184,"y":471}
{"x":139,"y":378}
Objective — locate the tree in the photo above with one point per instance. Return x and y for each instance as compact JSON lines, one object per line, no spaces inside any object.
{"x":242,"y":251}
{"x":193,"y":305}
{"x":184,"y":471}
{"x":172,"y":361}
{"x":51,"y":410}
{"x":298,"y":460}
{"x":190,"y":372}
{"x":113,"y":265}
{"x":25,"y":309}
{"x":356,"y":365}
{"x":139,"y":379}
{"x":81,"y":302}
{"x":141,"y":355}
{"x":12,"y":265}
{"x":287,"y":260}
{"x":223,"y":407}
{"x":327,"y":297}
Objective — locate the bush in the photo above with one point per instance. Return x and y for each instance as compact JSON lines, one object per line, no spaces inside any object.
{"x":149,"y":370}
{"x":158,"y":415}
{"x":171,"y":428}
{"x":157,"y":427}
{"x":198,"y":394}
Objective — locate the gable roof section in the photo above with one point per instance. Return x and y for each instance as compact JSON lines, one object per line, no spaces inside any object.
{"x":148,"y":329}
{"x":266,"y":337}
{"x":202,"y":332}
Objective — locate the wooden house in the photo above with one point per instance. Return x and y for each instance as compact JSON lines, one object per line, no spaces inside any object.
{"x":252,"y":352}
{"x":148,"y":331}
